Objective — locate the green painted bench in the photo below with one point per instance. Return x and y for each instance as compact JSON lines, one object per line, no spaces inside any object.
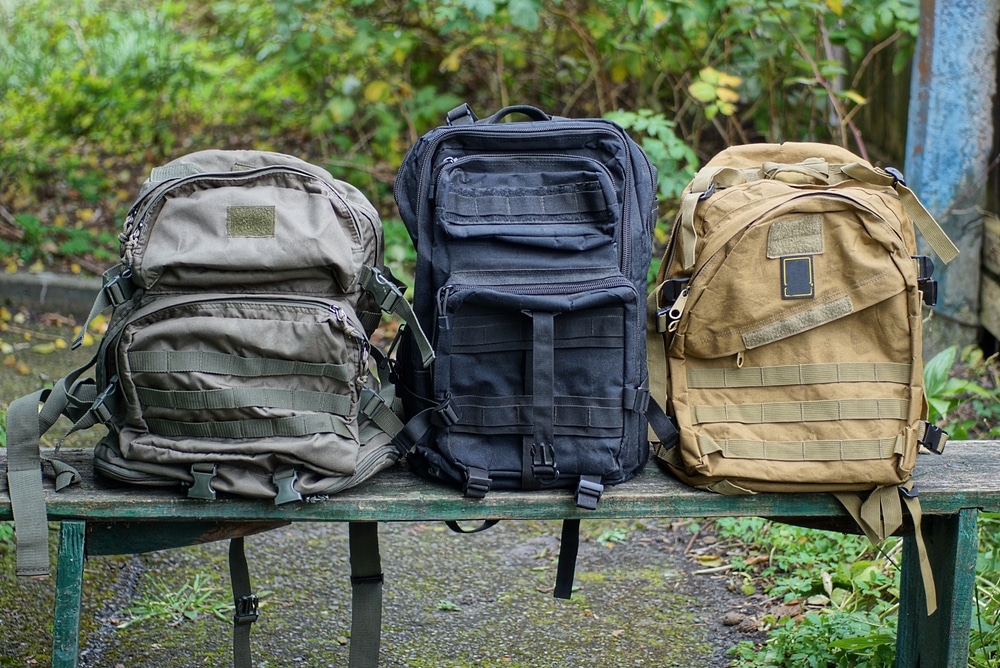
{"x":100,"y":519}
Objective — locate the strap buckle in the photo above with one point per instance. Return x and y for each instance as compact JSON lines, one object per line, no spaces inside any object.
{"x":928,"y":286}
{"x":445,"y":415}
{"x":934,"y":438}
{"x":588,"y":493}
{"x":477,"y":483}
{"x":543,"y":463}
{"x":386,"y":293}
{"x":201,"y":487}
{"x":284,"y":480}
{"x":247,"y":609}
{"x":101,"y":408}
{"x":897,"y":176}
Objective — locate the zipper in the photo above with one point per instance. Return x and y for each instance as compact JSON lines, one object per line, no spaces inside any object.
{"x":136,"y":219}
{"x":446,"y":291}
{"x":349,"y":321}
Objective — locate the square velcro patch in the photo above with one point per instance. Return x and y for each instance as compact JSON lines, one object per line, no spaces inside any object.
{"x":250,"y":221}
{"x":797,"y":280}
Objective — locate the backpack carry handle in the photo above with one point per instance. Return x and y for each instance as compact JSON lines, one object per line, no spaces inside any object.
{"x":534,"y":113}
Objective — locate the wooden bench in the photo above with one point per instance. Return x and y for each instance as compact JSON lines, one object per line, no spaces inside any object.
{"x":100,"y":519}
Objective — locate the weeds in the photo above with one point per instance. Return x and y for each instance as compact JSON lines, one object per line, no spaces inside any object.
{"x":188,"y":602}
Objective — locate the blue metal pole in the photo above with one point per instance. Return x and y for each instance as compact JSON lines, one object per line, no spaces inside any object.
{"x":948,"y":148}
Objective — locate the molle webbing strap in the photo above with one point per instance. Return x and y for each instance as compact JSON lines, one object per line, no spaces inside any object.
{"x":538,"y":446}
{"x":804,"y":411}
{"x":527,"y":203}
{"x":491,"y":412}
{"x":802,"y":451}
{"x":191,"y":361}
{"x":366,"y":594}
{"x":243,"y":397}
{"x":390,"y":299}
{"x":800,"y":374}
{"x":245,"y":601}
{"x":297,"y":425}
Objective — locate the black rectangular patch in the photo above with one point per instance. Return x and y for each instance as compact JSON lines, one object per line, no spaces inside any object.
{"x":250,"y":221}
{"x":797,"y":280}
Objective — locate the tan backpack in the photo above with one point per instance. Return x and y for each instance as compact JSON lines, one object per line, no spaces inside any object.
{"x":784,"y":334}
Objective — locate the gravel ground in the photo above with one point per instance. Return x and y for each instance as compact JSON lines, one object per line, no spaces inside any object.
{"x":450,"y":600}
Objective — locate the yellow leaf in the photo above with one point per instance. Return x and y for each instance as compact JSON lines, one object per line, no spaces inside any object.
{"x":20,"y":318}
{"x":10,"y":267}
{"x":727,"y":95}
{"x":452,"y":61}
{"x":6,"y":348}
{"x":836,"y":6}
{"x":36,"y":268}
{"x":59,"y":220}
{"x":5,"y":314}
{"x":619,"y":73}
{"x":729,"y":80}
{"x":376,"y":91}
{"x":9,"y":361}
{"x":85,"y":215}
{"x":22,"y":369}
{"x":99,"y":323}
{"x":855,"y":97}
{"x":60,"y":344}
{"x":75,"y":268}
{"x":709,"y":75}
{"x":44,"y":348}
{"x":88,"y":339}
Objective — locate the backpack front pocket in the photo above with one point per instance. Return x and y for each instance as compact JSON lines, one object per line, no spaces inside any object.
{"x":538,"y":380}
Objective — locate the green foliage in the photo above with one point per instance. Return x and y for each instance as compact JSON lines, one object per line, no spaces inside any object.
{"x":984,"y":641}
{"x":946,"y":392}
{"x":188,"y":602}
{"x":847,"y":589}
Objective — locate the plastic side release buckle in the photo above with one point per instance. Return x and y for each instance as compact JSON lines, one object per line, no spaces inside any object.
{"x":103,"y":407}
{"x":201,"y":488}
{"x":284,"y":480}
{"x":543,"y":463}
{"x":934,"y":438}
{"x":588,"y":494}
{"x":247,"y":609}
{"x":928,"y":286}
{"x":477,"y":483}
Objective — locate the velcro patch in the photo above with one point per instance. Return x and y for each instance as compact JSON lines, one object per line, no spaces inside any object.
{"x":797,"y":279}
{"x":250,"y":221}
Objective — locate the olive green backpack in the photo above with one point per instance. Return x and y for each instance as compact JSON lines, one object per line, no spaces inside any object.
{"x":237,"y":357}
{"x":784,"y":334}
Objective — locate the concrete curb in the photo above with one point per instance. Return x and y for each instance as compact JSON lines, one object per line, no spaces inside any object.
{"x":68,"y":295}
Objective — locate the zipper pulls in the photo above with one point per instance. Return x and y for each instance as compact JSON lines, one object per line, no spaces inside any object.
{"x":677,"y":310}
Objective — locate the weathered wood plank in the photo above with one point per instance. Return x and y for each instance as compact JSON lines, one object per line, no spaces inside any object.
{"x":966,"y":476}
{"x":69,"y":592}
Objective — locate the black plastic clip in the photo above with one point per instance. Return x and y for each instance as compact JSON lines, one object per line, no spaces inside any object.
{"x":543,"y":463}
{"x":445,"y":415}
{"x":588,"y":494}
{"x":247,"y":609}
{"x":897,"y":176}
{"x":934,"y":438}
{"x":928,"y":286}
{"x":477,"y":483}
{"x":461,"y":115}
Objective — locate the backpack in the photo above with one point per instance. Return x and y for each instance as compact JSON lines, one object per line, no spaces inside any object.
{"x":533,"y":243}
{"x":237,"y":355}
{"x":785,"y":330}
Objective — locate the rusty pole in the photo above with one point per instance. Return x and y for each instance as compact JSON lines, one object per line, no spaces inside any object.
{"x":948,"y":149}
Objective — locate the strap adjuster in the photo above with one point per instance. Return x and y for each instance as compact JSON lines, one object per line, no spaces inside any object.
{"x":934,"y":438}
{"x":588,"y":493}
{"x":247,"y":609}
{"x":101,"y":407}
{"x":477,"y":483}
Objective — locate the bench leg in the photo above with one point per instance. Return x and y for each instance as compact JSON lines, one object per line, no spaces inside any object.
{"x":69,"y":591}
{"x":943,"y":638}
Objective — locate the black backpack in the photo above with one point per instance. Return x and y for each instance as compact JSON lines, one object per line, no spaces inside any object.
{"x":533,"y":245}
